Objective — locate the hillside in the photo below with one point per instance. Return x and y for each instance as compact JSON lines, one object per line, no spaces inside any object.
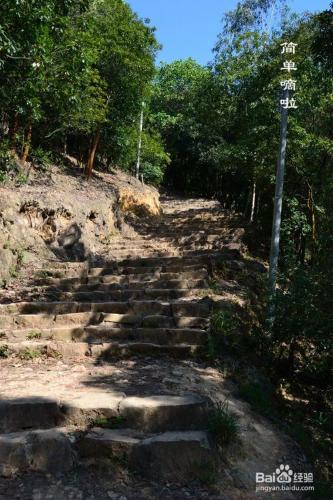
{"x":59,"y":215}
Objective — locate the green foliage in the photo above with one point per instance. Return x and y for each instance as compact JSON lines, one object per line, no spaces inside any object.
{"x":154,"y":159}
{"x":76,"y":74}
{"x":34,"y":335}
{"x":225,"y":332}
{"x":13,"y":272}
{"x":7,"y":163}
{"x":41,"y":158}
{"x":224,"y":322}
{"x":29,"y":354}
{"x":10,"y":171}
{"x":258,"y":396}
{"x":303,"y":325}
{"x":173,"y":111}
{"x":222,"y":424}
{"x":109,"y":423}
{"x":5,"y":352}
{"x":206,"y":472}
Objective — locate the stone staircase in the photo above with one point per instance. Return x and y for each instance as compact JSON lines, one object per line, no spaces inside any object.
{"x":148,"y":299}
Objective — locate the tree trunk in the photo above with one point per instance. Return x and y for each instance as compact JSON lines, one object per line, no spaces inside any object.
{"x":258,"y":205}
{"x":13,"y":131}
{"x":313,"y":222}
{"x":312,"y":213}
{"x":91,"y":156}
{"x":254,"y":193}
{"x":27,"y":143}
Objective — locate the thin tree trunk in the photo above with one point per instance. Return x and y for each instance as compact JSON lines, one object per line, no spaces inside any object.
{"x":258,"y":205}
{"x":27,"y":144}
{"x":137,"y":170}
{"x":254,"y":193}
{"x":13,"y":131}
{"x":91,"y":156}
{"x":313,"y":222}
{"x":312,"y":213}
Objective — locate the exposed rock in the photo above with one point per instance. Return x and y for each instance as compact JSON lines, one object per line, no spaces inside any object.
{"x":7,"y":262}
{"x":40,"y":450}
{"x":108,"y":443}
{"x":138,"y":198}
{"x":160,"y":413}
{"x":23,"y":413}
{"x":173,"y":455}
{"x":63,"y":217}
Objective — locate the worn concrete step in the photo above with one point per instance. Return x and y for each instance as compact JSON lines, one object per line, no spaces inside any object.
{"x":123,"y":278}
{"x":128,"y":253}
{"x":188,"y":231}
{"x":174,"y":456}
{"x":72,"y":409}
{"x":33,"y":321}
{"x":131,"y":266}
{"x":184,"y":225}
{"x":198,"y":240}
{"x":100,"y":350}
{"x":204,"y":257}
{"x":164,"y":412}
{"x":28,"y":413}
{"x":104,"y":333}
{"x":142,"y":249}
{"x":135,"y":270}
{"x":192,"y":308}
{"x":122,"y":285}
{"x":154,"y":413}
{"x":114,"y":295}
{"x":47,"y":450}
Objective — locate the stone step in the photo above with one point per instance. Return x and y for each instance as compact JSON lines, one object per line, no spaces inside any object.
{"x":100,"y":350}
{"x":183,"y":224}
{"x":154,"y":413}
{"x":74,"y":409}
{"x":202,"y":258}
{"x":120,"y":255}
{"x":28,"y":413}
{"x":32,"y":321}
{"x":115,"y":268}
{"x":174,"y":456}
{"x":164,"y":412}
{"x":132,"y":271}
{"x":48,"y":451}
{"x":131,"y":266}
{"x":177,"y":308}
{"x":115,"y":295}
{"x":104,"y":333}
{"x":188,"y":231}
{"x":122,"y":285}
{"x":197,"y":240}
{"x":123,"y":278}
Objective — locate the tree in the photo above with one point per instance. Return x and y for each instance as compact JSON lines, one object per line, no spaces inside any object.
{"x":73,"y":75}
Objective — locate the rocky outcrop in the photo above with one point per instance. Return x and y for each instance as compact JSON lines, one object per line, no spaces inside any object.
{"x":63,"y":217}
{"x":137,"y":198}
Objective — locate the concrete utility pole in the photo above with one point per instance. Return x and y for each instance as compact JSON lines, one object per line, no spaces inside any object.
{"x":275,"y":242}
{"x":140,"y":142}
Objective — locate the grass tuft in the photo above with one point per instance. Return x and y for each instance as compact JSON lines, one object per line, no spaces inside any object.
{"x":222,"y":424}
